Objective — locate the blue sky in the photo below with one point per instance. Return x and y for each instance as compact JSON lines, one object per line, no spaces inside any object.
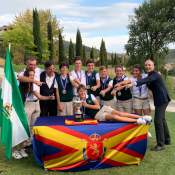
{"x":96,"y":19}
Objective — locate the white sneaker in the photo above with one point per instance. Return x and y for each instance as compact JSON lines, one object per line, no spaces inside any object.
{"x":148,"y":118}
{"x":23,"y":153}
{"x":16,"y":155}
{"x":149,"y":135}
{"x":141,"y":121}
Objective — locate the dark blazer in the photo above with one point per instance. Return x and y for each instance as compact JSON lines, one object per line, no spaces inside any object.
{"x":156,"y":84}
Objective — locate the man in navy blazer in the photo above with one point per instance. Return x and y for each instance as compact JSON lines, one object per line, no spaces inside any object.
{"x":161,"y":98}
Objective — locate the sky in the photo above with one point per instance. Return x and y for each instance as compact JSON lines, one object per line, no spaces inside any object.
{"x":96,"y":19}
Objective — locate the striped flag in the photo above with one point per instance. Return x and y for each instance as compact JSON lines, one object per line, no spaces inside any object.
{"x":13,"y":120}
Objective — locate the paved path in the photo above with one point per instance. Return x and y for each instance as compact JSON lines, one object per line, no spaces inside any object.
{"x":170,"y":108}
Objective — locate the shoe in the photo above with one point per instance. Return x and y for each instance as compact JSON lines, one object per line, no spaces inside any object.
{"x":27,"y":143}
{"x":158,"y":148}
{"x":149,"y":135}
{"x":148,"y":118}
{"x":141,"y":121}
{"x":16,"y":155}
{"x":23,"y":153}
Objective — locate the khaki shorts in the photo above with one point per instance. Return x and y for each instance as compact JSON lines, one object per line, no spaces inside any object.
{"x":108,"y":103}
{"x":124,"y":106}
{"x":101,"y":114}
{"x":141,"y":103}
{"x":67,"y":109}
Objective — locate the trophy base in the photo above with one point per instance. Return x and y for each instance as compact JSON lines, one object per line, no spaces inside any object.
{"x":78,"y":118}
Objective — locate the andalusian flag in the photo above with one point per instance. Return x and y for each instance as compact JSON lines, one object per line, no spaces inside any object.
{"x":14,"y":125}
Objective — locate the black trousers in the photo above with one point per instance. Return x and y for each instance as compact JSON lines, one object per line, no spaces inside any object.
{"x":161,"y":127}
{"x":48,"y":108}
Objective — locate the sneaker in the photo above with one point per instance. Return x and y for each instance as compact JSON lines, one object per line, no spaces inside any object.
{"x":158,"y":148}
{"x":149,"y":135}
{"x":16,"y":155}
{"x":23,"y":153}
{"x":148,"y":118}
{"x":141,"y":121}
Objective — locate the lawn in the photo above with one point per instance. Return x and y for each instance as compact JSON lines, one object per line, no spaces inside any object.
{"x":154,"y":163}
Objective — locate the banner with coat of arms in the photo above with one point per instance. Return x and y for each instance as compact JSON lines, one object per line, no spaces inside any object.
{"x":75,"y":148}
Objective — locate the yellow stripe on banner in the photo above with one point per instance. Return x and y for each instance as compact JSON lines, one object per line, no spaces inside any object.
{"x":59,"y":137}
{"x":66,"y":160}
{"x":125,"y":136}
{"x":63,"y":138}
{"x":122,"y":157}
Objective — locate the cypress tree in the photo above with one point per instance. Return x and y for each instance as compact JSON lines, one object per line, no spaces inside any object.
{"x":50,"y":40}
{"x":115,"y":59}
{"x":71,"y":52}
{"x":61,"y":48}
{"x":103,"y":53}
{"x":79,"y":46}
{"x":37,"y":35}
{"x":84,"y":55}
{"x":92,"y":53}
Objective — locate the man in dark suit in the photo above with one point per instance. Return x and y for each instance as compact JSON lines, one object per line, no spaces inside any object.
{"x":161,"y":98}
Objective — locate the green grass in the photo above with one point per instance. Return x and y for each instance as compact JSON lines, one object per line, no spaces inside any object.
{"x":170,"y":84}
{"x":154,"y":163}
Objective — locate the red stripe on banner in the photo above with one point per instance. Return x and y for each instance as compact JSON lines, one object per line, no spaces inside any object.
{"x":118,"y":131}
{"x":120,"y":147}
{"x":132,"y":153}
{"x":71,"y":132}
{"x":64,"y":149}
{"x":131,"y":141}
{"x":112,"y":162}
{"x":70,"y":166}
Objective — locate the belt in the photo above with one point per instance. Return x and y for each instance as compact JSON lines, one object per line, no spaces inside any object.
{"x":32,"y":100}
{"x":141,"y":98}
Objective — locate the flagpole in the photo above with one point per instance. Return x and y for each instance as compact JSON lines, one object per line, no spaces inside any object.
{"x":9,"y":46}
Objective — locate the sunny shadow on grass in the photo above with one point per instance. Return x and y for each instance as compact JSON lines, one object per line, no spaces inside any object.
{"x":154,"y":163}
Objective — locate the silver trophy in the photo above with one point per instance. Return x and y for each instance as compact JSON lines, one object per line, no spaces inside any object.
{"x":78,"y":114}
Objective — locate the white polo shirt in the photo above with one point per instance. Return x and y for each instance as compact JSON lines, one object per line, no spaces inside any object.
{"x":139,"y":91}
{"x":36,"y":88}
{"x":80,"y":75}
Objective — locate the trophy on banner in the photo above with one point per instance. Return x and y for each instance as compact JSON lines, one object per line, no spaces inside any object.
{"x":78,"y":114}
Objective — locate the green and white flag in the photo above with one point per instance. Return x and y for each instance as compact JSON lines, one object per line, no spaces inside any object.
{"x":13,"y":122}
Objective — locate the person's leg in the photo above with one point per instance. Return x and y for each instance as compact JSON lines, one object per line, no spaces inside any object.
{"x":109,"y":103}
{"x":146,"y":107}
{"x":119,"y":106}
{"x":125,"y":114}
{"x":30,"y":109}
{"x":119,"y":118}
{"x":52,"y":110}
{"x":138,"y":111}
{"x":63,"y":112}
{"x":127,"y":106}
{"x":36,"y":113}
{"x":44,"y":108}
{"x":166,"y":130}
{"x":137,"y":106}
{"x":159,"y":124}
{"x":69,"y":108}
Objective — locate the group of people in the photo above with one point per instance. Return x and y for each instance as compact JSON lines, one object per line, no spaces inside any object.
{"x":47,"y":93}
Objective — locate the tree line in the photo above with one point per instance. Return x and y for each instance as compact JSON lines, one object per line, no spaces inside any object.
{"x":38,"y":33}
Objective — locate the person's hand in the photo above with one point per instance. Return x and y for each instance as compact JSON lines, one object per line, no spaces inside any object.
{"x":38,"y":83}
{"x":77,"y":81}
{"x":94,"y":88}
{"x":102,"y":93}
{"x":113,"y":92}
{"x":84,"y":104}
{"x":52,"y":97}
{"x":60,"y":107}
{"x":129,"y":85}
